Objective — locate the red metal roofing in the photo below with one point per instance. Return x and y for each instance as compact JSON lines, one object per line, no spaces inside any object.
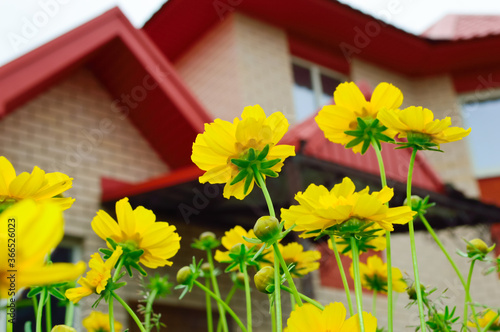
{"x":455,"y":27}
{"x":128,"y":64}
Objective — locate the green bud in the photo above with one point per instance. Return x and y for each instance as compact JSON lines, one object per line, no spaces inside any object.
{"x":416,"y":202}
{"x":264,"y":278}
{"x":412,"y":292}
{"x":207,"y":236}
{"x":477,"y":246}
{"x":236,"y":249}
{"x":240,"y":278}
{"x":266,"y":228}
{"x":183,"y":275}
{"x":63,"y":328}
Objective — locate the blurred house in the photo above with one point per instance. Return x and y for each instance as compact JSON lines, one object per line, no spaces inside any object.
{"x":118,"y":109}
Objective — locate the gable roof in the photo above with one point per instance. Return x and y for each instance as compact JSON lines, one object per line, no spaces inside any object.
{"x":142,"y":82}
{"x":456,"y":27}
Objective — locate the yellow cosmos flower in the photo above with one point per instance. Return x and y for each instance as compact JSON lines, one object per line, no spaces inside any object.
{"x":232,"y":238}
{"x":418,"y":120}
{"x":97,"y":278}
{"x":138,"y":228}
{"x":304,"y":261}
{"x":486,"y":317}
{"x":63,"y":328}
{"x":320,"y":209}
{"x":377,"y":243}
{"x":223,"y":141}
{"x":30,"y":231}
{"x":99,"y":322}
{"x":374,"y":276}
{"x":309,"y":318}
{"x":38,"y":185}
{"x":350,"y":104}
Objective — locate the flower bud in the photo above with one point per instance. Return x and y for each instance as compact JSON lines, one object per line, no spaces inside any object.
{"x":264,"y":278}
{"x":183,"y":275}
{"x":63,"y":328}
{"x":477,"y":245}
{"x":240,"y":278}
{"x":207,"y":236}
{"x":412,"y":292}
{"x":266,"y":228}
{"x":416,"y":202}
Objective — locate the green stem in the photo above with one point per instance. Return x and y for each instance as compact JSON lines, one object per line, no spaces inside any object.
{"x":226,"y":307}
{"x":374,"y":304}
{"x":70,"y":311}
{"x":208,"y":305}
{"x":149,"y":309}
{"x":9,"y":322}
{"x":226,"y":301}
{"x":289,"y":279}
{"x":383,"y":180}
{"x":248,"y":298}
{"x":277,"y":295}
{"x":305,"y":298}
{"x":129,"y":310}
{"x":215,"y":286}
{"x":111,"y":315}
{"x":357,"y":282}
{"x":35,"y":305}
{"x":490,"y":323}
{"x":262,"y":185}
{"x":453,"y":264}
{"x":48,"y":314}
{"x":342,"y":275}
{"x":292,"y":301}
{"x":43,"y":296}
{"x":412,"y":244}
{"x":273,"y":313}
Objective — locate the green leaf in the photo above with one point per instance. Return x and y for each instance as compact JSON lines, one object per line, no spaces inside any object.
{"x":361,"y":123}
{"x":241,"y":163}
{"x":269,"y":163}
{"x":355,"y":133}
{"x":269,"y":172}
{"x":263,"y":153}
{"x":354,"y":142}
{"x":34,"y":291}
{"x":366,"y":145}
{"x":251,"y":154}
{"x":248,"y":181}
{"x":56,"y":293}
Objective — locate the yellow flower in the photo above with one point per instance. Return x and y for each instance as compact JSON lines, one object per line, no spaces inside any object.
{"x":99,"y":322}
{"x":305,"y":261}
{"x":30,"y":231}
{"x":309,"y":318}
{"x":232,"y":238}
{"x":378,"y":243}
{"x":223,"y":141}
{"x":420,"y":121}
{"x":38,"y":185}
{"x":350,"y":104}
{"x":486,"y":317}
{"x":97,"y":278}
{"x":320,"y":209}
{"x":137,"y":228}
{"x":374,"y":276}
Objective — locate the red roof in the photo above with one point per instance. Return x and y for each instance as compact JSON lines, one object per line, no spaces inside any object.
{"x":314,"y":144}
{"x":455,"y":27}
{"x":127,"y":63}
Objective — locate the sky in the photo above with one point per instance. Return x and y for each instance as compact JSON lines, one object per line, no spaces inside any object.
{"x":27,"y":24}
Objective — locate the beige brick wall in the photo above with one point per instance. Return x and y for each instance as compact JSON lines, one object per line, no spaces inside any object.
{"x":240,"y":62}
{"x":437,"y":94}
{"x":72,"y":128}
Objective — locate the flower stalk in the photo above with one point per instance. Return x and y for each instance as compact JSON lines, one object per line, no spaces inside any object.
{"x":342,"y":275}
{"x":357,"y":282}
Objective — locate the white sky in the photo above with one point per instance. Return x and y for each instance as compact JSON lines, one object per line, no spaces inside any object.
{"x":19,"y":32}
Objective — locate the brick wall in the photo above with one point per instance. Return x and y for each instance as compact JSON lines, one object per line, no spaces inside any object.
{"x":240,"y":62}
{"x":73,"y":129}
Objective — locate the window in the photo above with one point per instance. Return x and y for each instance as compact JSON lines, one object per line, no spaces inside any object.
{"x":313,"y":87}
{"x":483,"y":117}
